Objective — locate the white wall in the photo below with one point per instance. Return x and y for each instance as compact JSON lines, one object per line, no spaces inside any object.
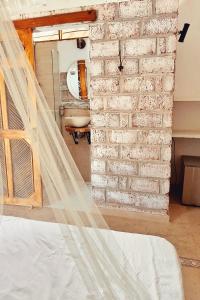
{"x":69,"y":53}
{"x":33,"y":7}
{"x":188,"y":53}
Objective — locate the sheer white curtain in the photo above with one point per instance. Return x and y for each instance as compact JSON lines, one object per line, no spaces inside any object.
{"x":100,"y":269}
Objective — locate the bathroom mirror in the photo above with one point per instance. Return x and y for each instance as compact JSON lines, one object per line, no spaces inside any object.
{"x":77,"y":80}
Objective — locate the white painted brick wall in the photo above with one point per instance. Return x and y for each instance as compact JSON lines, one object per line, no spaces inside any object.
{"x":164,"y":186}
{"x":132,"y":109}
{"x":104,"y":181}
{"x":98,"y":136}
{"x":167,"y":6}
{"x":156,"y":137}
{"x":104,"y":85}
{"x":144,"y":185}
{"x":105,"y":120}
{"x":155,"y":102}
{"x":123,"y":29}
{"x":104,"y":151}
{"x":159,"y":25}
{"x":104,"y":49}
{"x":131,"y":66}
{"x":97,"y":68}
{"x":98,"y":195}
{"x":141,"y":200}
{"x":140,"y":152}
{"x":96,"y":103}
{"x":98,"y":166}
{"x":97,"y":31}
{"x":135,"y":8}
{"x":121,"y":103}
{"x":139,"y":47}
{"x":166,"y":44}
{"x":157,"y":65}
{"x":138,"y":84}
{"x":157,"y":170}
{"x":123,"y":137}
{"x":122,"y":167}
{"x":143,"y":119}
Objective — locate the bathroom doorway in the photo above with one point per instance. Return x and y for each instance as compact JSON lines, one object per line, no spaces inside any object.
{"x":62,"y":69}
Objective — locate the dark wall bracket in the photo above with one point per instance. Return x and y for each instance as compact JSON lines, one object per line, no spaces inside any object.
{"x":183,"y":32}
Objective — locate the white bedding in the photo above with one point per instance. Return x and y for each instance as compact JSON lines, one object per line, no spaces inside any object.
{"x":34,"y":264}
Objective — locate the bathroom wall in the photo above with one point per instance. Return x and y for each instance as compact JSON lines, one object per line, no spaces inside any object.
{"x":68,"y":54}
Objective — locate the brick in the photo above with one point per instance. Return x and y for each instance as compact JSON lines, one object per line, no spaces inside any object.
{"x":104,"y":49}
{"x":143,"y":185}
{"x":167,"y":6}
{"x":98,"y":136}
{"x":122,"y":167}
{"x":124,"y":120}
{"x":96,"y":103}
{"x":157,"y":65}
{"x":123,"y":136}
{"x":138,"y":84}
{"x":156,"y":170}
{"x":166,"y":153}
{"x":166,"y":44}
{"x":97,"y":31}
{"x":121,"y":103}
{"x":130,"y":67}
{"x":164,"y":186}
{"x":104,"y":181}
{"x":167,"y":120}
{"x":141,"y":200}
{"x":143,"y":119}
{"x":106,"y":12}
{"x":140,"y":152}
{"x":98,"y":195}
{"x":139,"y":47}
{"x":105,"y":120}
{"x":162,"y":25}
{"x":104,"y":85}
{"x":119,"y":30}
{"x":123,"y":181}
{"x":135,"y":8}
{"x":168,"y":83}
{"x":155,"y":102}
{"x":104,"y":151}
{"x":97,"y":68}
{"x":98,"y":166}
{"x":156,"y":137}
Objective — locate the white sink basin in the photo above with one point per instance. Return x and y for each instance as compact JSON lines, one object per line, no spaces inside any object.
{"x":78,"y":121}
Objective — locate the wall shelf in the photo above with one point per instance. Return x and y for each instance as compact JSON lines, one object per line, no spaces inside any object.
{"x":188,"y":134}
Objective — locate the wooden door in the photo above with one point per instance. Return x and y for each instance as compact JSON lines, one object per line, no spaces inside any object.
{"x":19,"y":163}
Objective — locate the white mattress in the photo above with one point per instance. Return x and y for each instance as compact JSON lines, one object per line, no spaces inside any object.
{"x":33,"y":265}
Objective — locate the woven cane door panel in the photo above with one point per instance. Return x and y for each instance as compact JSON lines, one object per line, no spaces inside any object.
{"x":14,"y":119}
{"x":22,"y":168}
{"x":3,"y":169}
{"x":19,"y":164}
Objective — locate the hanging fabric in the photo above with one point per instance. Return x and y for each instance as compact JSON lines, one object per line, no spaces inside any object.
{"x":81,"y":222}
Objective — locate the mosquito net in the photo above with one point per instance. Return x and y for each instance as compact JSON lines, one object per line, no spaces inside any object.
{"x":29,"y":131}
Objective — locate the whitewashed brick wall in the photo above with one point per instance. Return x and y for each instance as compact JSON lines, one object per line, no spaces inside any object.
{"x":132,"y":110}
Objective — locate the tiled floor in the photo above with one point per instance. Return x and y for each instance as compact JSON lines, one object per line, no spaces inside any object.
{"x":183,"y":231}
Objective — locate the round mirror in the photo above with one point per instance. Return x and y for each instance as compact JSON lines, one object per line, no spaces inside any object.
{"x":77,"y":80}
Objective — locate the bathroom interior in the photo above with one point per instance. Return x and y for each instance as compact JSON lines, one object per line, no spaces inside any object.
{"x":63,"y":77}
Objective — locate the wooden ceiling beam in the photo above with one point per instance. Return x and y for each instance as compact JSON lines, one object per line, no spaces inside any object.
{"x":74,"y":17}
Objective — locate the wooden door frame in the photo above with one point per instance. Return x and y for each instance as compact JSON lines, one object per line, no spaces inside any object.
{"x":73,"y":17}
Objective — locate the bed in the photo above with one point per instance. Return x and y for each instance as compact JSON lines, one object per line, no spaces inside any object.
{"x":33,"y":264}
